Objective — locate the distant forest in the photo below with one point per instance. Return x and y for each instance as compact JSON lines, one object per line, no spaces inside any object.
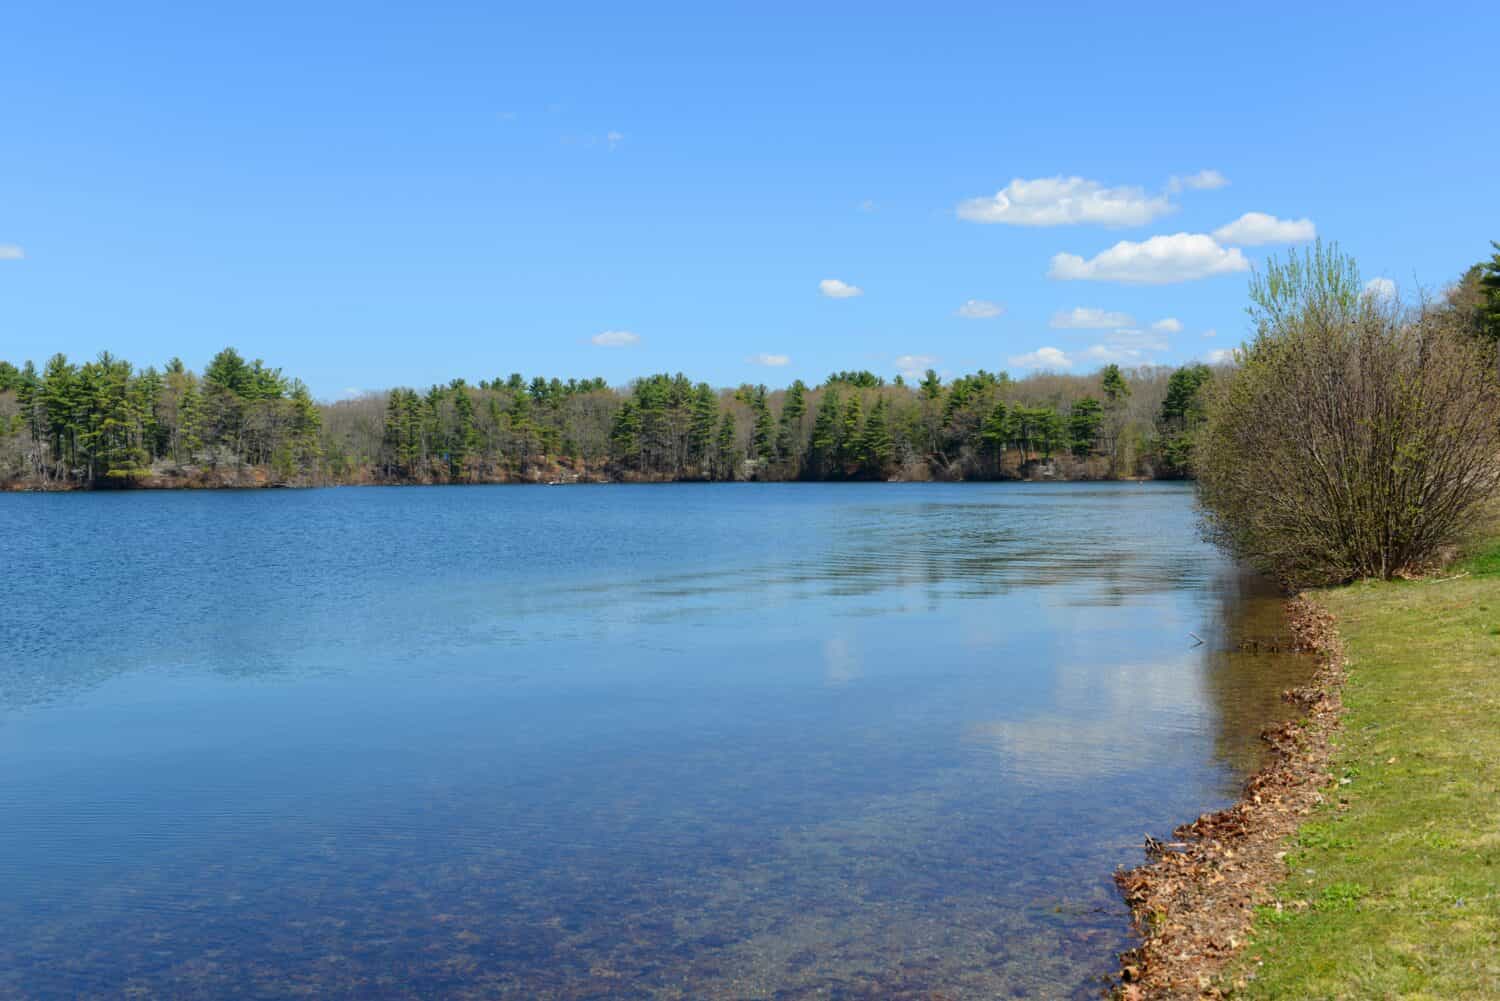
{"x":243,"y":423}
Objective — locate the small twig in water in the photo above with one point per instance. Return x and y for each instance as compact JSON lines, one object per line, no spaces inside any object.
{"x":1198,"y":638}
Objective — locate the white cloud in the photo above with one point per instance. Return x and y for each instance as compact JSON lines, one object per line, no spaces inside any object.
{"x":1161,"y":260}
{"x":1255,"y":228}
{"x":613,"y":139}
{"x":1129,"y":346}
{"x":616,"y":339}
{"x":912,"y":366}
{"x":775,"y":361}
{"x":980,"y":309}
{"x":1088,"y":318}
{"x":1104,"y":354}
{"x":1065,"y":201}
{"x":1382,"y":289}
{"x":1142,"y":340}
{"x":1044,"y":358}
{"x":11,"y":252}
{"x":1204,"y":180}
{"x":1210,"y":332}
{"x":868,"y":205}
{"x":835,"y":289}
{"x":1218,"y":356}
{"x":1168,"y":325}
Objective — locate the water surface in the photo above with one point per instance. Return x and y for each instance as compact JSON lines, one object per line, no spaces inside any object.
{"x":723,"y":742}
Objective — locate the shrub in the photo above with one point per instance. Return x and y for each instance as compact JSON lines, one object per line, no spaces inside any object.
{"x":1356,"y":437}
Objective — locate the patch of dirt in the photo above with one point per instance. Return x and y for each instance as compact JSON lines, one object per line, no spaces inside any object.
{"x":1194,"y":900}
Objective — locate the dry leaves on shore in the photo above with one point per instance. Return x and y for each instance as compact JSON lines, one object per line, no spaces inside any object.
{"x":1194,"y":900}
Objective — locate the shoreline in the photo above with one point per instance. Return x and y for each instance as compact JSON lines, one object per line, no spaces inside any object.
{"x":1193,"y":903}
{"x":252,"y":482}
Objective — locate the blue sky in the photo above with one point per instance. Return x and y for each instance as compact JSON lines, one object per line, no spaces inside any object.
{"x":369,"y":195}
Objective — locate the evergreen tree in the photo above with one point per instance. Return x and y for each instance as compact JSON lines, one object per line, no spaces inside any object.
{"x":789,"y":437}
{"x":1487,"y":278}
{"x":705,"y":414}
{"x":824,"y":448}
{"x":625,"y":436}
{"x":851,"y":457}
{"x":763,"y":438}
{"x":1083,"y":425}
{"x":876,"y":447}
{"x":727,"y":449}
{"x":995,"y":433}
{"x":1116,"y":389}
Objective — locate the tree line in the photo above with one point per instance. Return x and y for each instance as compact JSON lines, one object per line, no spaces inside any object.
{"x":241,"y":422}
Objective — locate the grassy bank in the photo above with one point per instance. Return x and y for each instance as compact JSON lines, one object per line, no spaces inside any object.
{"x":1394,"y":886}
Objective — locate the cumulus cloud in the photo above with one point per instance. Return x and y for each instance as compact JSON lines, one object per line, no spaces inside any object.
{"x":1218,"y":356}
{"x":1088,"y":318}
{"x":1204,"y":180}
{"x":1168,"y":325}
{"x":613,"y":139}
{"x":1141,"y":340}
{"x":1104,"y":354}
{"x":912,"y":366}
{"x":775,"y":361}
{"x":835,"y":289}
{"x":615,"y":339}
{"x":1042,"y":358}
{"x":1382,"y":289}
{"x":1161,"y":260}
{"x":1065,"y":201}
{"x":1123,"y":346}
{"x":11,"y":252}
{"x":1255,"y":228}
{"x":980,"y":309}
{"x":1210,"y":332}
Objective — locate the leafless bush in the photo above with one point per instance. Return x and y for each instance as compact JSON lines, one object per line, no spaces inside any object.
{"x":1357,"y":438}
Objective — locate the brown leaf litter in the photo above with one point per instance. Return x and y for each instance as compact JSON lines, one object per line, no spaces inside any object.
{"x":1193,"y":901}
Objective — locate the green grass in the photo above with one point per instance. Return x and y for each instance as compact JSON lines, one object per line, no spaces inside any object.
{"x":1394,"y":885}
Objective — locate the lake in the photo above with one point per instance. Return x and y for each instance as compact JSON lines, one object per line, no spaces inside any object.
{"x":780,"y":741}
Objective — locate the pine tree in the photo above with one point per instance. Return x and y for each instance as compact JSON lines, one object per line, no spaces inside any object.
{"x":789,"y":434}
{"x":625,"y":436}
{"x":995,"y":433}
{"x":823,"y":450}
{"x":705,"y":413}
{"x":465,"y":433}
{"x":875,"y":446}
{"x":1084,"y":422}
{"x":727,"y":449}
{"x":1116,"y":389}
{"x":850,"y":454}
{"x":763,"y":434}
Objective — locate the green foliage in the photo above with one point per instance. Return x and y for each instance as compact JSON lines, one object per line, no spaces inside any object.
{"x":1486,"y":278}
{"x":1181,"y":415}
{"x":1084,"y":424}
{"x":875,"y":445}
{"x":827,"y":438}
{"x":1112,"y":381}
{"x":857,"y":380}
{"x":243,"y":421}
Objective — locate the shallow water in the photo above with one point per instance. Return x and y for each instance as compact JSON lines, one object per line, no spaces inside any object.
{"x":721,"y":742}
